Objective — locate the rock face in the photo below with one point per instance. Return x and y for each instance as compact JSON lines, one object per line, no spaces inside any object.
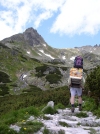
{"x":30,"y":37}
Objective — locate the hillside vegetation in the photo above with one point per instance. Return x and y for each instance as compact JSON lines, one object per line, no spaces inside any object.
{"x":33,"y":98}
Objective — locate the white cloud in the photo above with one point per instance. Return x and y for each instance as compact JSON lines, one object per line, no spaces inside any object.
{"x":78,"y":16}
{"x":16,"y":15}
{"x":75,"y":16}
{"x":42,"y":17}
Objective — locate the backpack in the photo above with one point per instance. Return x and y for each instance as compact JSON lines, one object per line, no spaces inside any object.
{"x":78,"y":62}
{"x":76,"y":77}
{"x":76,"y":82}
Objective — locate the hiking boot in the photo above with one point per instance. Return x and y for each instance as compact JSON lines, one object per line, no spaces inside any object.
{"x":72,"y":109}
{"x":80,"y":108}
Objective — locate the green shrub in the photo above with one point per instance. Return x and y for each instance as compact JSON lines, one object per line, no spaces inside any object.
{"x":46,"y":118}
{"x":97,"y":112}
{"x":30,"y":127}
{"x":4,"y":78}
{"x":40,"y":70}
{"x":64,"y":124}
{"x":46,"y":131}
{"x":60,"y":106}
{"x":23,"y":58}
{"x":32,"y":111}
{"x":53,"y":78}
{"x":57,"y":71}
{"x":11,"y":120}
{"x":92,"y":131}
{"x":64,"y":68}
{"x":89,"y":104}
{"x":35,"y":60}
{"x":4,"y":129}
{"x":38,"y":98}
{"x":4,"y":89}
{"x":93,"y":82}
{"x":61,"y":132}
{"x":49,"y":110}
{"x":32,"y":88}
{"x":81,"y":114}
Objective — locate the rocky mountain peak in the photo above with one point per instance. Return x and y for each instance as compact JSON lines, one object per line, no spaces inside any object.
{"x":30,"y":37}
{"x":29,"y":33}
{"x":33,"y":37}
{"x":30,"y":30}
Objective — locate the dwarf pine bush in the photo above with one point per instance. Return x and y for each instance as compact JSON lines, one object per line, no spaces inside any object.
{"x":93,"y":84}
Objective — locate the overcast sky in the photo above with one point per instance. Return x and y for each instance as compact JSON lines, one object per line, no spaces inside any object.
{"x":62,"y":23}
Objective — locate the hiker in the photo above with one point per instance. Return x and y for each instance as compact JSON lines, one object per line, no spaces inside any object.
{"x":76,"y":86}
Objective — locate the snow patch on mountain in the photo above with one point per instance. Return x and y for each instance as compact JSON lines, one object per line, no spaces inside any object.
{"x":63,"y":57}
{"x":28,"y":52}
{"x":72,"y":58}
{"x":39,"y":54}
{"x":42,"y":51}
{"x":44,"y":45}
{"x":24,"y":75}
